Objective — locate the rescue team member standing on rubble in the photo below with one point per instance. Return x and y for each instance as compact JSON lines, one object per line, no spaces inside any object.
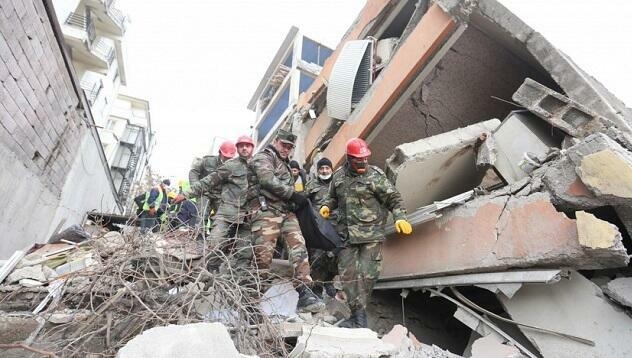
{"x":156,"y":203}
{"x":230,"y":221}
{"x":362,"y":194}
{"x":207,"y":165}
{"x":272,"y":202}
{"x":323,"y":263}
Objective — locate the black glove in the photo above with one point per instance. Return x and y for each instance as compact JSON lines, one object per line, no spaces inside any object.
{"x":299,"y":199}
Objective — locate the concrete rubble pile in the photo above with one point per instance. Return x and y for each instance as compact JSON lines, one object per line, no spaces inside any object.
{"x":553,"y":192}
{"x":94,"y":296}
{"x":129,"y":295}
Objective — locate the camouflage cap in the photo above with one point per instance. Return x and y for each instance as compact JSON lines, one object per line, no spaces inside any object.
{"x":286,"y":137}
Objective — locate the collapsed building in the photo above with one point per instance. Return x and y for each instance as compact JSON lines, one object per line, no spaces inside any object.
{"x":514,"y":164}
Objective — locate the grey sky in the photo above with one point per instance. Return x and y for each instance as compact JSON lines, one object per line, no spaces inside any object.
{"x":198,"y":62}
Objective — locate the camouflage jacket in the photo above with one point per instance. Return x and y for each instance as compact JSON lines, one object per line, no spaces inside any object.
{"x":232,"y":179}
{"x":362,"y":202}
{"x":203,"y":167}
{"x":269,"y":176}
{"x":317,"y":191}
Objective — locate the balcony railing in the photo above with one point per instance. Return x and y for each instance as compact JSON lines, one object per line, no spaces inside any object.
{"x":92,"y":89}
{"x":83,"y":22}
{"x":104,"y":50}
{"x":115,"y":14}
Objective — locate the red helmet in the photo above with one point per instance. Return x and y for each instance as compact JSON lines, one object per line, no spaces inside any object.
{"x":244,"y":139}
{"x":227,"y":149}
{"x":358,"y":148}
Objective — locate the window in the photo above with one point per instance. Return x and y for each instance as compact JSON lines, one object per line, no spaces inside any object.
{"x":274,"y":115}
{"x":304,"y":82}
{"x":400,"y":21}
{"x":314,"y":52}
{"x":122,"y":157}
{"x":130,"y":135}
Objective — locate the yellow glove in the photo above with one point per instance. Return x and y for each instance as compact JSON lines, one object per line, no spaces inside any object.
{"x":324,"y":212}
{"x":403,"y":227}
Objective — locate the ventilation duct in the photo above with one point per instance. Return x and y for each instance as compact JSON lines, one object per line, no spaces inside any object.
{"x":350,"y":78}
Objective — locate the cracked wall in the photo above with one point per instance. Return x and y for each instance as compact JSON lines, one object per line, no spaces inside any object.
{"x":458,"y":92}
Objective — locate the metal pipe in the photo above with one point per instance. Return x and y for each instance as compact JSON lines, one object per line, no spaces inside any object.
{"x":484,"y":320}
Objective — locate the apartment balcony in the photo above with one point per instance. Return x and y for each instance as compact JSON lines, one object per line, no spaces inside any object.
{"x":92,"y":88}
{"x":112,"y":19}
{"x":86,"y":47}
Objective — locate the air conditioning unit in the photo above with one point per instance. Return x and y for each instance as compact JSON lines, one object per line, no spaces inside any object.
{"x":350,"y":79}
{"x":385,"y":49}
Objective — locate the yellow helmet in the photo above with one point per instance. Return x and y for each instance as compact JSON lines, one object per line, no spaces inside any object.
{"x":172,"y":195}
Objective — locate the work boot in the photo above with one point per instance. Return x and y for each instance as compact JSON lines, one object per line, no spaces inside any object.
{"x":330,"y":289}
{"x":356,"y":320}
{"x":308,"y":301}
{"x":361,"y":319}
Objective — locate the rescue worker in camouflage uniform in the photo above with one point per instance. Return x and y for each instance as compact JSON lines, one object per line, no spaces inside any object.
{"x":272,"y":202}
{"x":205,"y":166}
{"x":230,"y":220}
{"x":323,"y":263}
{"x":363,"y":195}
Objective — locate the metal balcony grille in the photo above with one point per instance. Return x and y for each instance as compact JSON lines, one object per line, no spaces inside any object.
{"x":104,"y":50}
{"x":83,"y":22}
{"x":92,"y":90}
{"x":115,"y":14}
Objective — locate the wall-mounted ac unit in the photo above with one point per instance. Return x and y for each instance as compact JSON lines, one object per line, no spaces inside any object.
{"x":385,"y":49}
{"x":350,"y":78}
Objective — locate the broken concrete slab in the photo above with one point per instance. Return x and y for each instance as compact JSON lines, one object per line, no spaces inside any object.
{"x":566,"y":187}
{"x":606,"y":173}
{"x":190,"y":340}
{"x":605,"y":167}
{"x":109,"y":243}
{"x":578,"y":307}
{"x":16,"y":328}
{"x":558,"y":110}
{"x":489,"y":347}
{"x":507,"y":289}
{"x":27,"y":282}
{"x":66,"y":316}
{"x":521,"y":140}
{"x":595,"y":172}
{"x":596,"y":234}
{"x":32,"y":272}
{"x":476,"y":325}
{"x":443,"y":165}
{"x":488,"y":234}
{"x":620,"y":290}
{"x":318,"y":342}
{"x":280,"y":300}
{"x":408,"y":345}
{"x":625,"y":215}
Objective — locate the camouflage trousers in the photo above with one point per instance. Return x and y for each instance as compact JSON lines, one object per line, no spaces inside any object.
{"x":231,"y":245}
{"x":267,"y":227}
{"x":360,"y":266}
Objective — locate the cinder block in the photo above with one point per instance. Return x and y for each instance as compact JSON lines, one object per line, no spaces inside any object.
{"x":560,"y":111}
